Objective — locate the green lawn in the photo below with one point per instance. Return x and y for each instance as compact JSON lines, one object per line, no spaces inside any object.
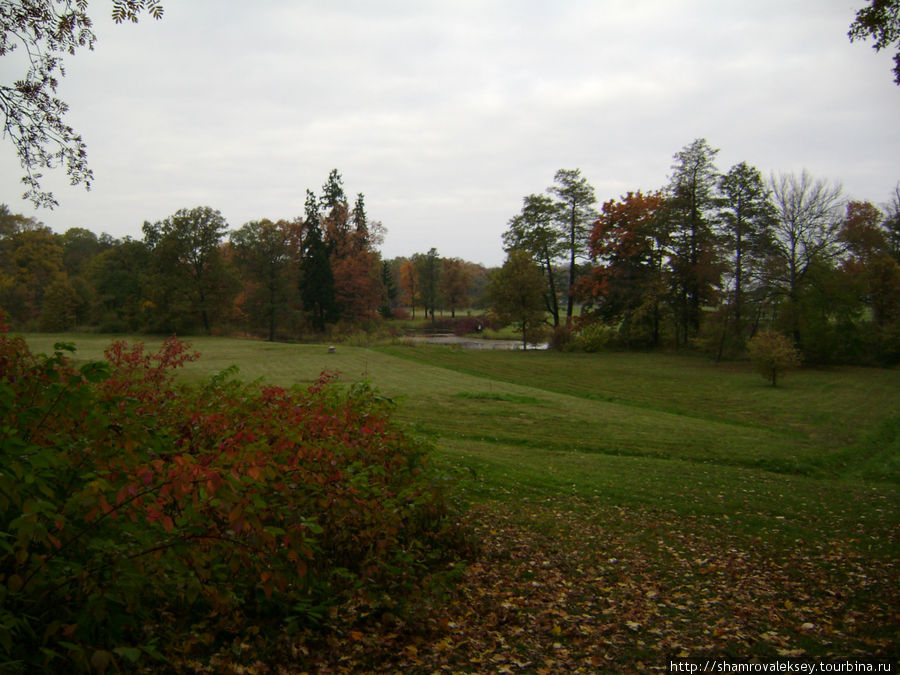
{"x":654,"y":460}
{"x":668,"y":430}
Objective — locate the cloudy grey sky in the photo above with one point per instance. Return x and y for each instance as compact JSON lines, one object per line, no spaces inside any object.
{"x":446,"y":113}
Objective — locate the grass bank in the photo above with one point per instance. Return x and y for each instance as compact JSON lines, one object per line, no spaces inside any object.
{"x":662,"y":503}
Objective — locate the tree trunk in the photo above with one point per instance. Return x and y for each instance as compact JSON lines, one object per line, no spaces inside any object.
{"x":569,"y":304}
{"x":554,"y":305}
{"x":271,"y":313}
{"x":722,"y":338}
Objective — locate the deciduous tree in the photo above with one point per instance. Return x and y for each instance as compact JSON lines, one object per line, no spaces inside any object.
{"x":118,"y":276}
{"x":880,"y":22}
{"x":869,"y":260}
{"x":535,"y":230}
{"x":31,"y":262}
{"x":454,"y":284}
{"x":34,"y":116}
{"x":892,"y":223}
{"x":410,"y":286}
{"x":428,"y":267}
{"x":350,"y":236}
{"x":516,"y":294}
{"x":774,"y":354}
{"x":59,"y":306}
{"x":629,"y":245}
{"x":184,"y":251}
{"x":358,"y":290}
{"x":264,"y":253}
{"x":808,"y":216}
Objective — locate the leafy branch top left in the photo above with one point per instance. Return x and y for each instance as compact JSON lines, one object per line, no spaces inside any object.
{"x":33,"y":115}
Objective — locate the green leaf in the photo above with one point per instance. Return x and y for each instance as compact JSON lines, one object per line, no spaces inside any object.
{"x":64,"y":347}
{"x":71,"y":646}
{"x":95,"y":371}
{"x":101,"y":659}
{"x":132,"y":654}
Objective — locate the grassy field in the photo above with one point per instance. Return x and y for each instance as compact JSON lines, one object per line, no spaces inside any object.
{"x":638,"y":506}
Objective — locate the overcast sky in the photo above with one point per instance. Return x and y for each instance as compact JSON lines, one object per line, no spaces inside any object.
{"x":446,"y":113}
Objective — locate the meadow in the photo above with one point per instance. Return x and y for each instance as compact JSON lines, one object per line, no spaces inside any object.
{"x":629,"y":508}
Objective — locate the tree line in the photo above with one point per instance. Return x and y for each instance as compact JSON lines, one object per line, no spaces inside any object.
{"x":190,"y":274}
{"x":711,"y":259}
{"x":706,"y":261}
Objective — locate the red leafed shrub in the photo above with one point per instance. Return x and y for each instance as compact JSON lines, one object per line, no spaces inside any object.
{"x":136,"y":510}
{"x":470,"y":324}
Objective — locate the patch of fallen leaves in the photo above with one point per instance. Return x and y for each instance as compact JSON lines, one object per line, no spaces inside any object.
{"x":556,"y":589}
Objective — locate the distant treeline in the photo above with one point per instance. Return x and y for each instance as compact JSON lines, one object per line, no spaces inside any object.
{"x":190,"y":274}
{"x":711,"y":258}
{"x":704,"y":262}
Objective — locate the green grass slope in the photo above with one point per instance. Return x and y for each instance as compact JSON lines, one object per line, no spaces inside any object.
{"x":635,"y":506}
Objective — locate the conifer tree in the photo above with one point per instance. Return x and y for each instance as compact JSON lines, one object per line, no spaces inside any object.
{"x":316,"y":279}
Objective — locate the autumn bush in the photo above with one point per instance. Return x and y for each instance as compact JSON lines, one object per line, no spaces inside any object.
{"x":773,"y":354}
{"x":586,"y":337}
{"x":136,"y":510}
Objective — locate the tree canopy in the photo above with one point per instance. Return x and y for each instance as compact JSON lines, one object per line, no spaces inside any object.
{"x":516,"y":294}
{"x":880,"y":22}
{"x":34,"y":117}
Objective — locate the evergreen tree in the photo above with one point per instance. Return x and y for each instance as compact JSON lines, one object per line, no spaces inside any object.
{"x":316,"y":280}
{"x":360,"y":223}
{"x":692,"y":207}
{"x":390,"y":290}
{"x":335,"y":218}
{"x":575,"y":213}
{"x":333,"y":191}
{"x":746,"y":219}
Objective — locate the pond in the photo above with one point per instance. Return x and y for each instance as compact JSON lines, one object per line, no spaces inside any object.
{"x":473,"y":343}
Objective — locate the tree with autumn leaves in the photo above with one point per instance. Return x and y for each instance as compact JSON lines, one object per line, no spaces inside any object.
{"x":713,"y":258}
{"x":190,"y":273}
{"x":629,"y":241}
{"x":350,"y":237}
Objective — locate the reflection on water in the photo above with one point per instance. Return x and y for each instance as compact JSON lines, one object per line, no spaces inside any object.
{"x":474,"y":343}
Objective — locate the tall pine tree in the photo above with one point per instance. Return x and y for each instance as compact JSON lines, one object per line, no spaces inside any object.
{"x":746,"y":219}
{"x":575,"y":213}
{"x":316,"y":279}
{"x":692,"y":206}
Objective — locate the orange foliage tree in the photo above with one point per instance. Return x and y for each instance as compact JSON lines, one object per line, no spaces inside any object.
{"x":409,"y":284}
{"x":628,"y":242}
